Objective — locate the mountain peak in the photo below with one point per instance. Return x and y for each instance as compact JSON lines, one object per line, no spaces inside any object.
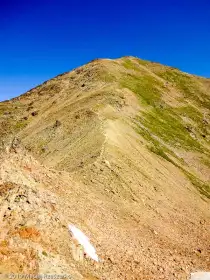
{"x":119,"y":148}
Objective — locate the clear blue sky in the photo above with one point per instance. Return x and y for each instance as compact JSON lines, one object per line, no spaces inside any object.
{"x":40,"y":39}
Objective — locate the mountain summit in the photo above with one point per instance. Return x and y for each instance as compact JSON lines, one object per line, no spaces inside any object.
{"x":119,"y":148}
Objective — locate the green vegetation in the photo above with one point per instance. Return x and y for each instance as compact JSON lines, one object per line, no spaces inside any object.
{"x":160,"y":119}
{"x":155,"y":146}
{"x":196,"y":116}
{"x":169,"y":127}
{"x":164,"y":152}
{"x":159,"y":123}
{"x":41,"y":144}
{"x":145,"y":86}
{"x":44,"y":253}
{"x":106,"y":77}
{"x":187,"y":85}
{"x":190,"y":112}
{"x":160,"y":152}
{"x":20,"y":124}
{"x":203,"y":188}
{"x":128,"y":64}
{"x":206,"y":162}
{"x":142,"y":62}
{"x":4,"y":108}
{"x":170,"y":130}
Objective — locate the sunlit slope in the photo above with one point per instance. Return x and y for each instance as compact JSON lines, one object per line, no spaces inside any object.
{"x":122,"y":146}
{"x":64,"y":121}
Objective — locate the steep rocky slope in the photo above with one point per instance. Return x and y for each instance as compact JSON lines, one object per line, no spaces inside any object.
{"x":121,"y":149}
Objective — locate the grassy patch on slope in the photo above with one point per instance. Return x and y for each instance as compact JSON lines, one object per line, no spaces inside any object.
{"x":190,"y":112}
{"x":202,"y":187}
{"x":128,"y":64}
{"x":160,"y":119}
{"x":160,"y":123}
{"x":187,"y":85}
{"x":154,"y":144}
{"x":145,"y":86}
{"x":169,"y":127}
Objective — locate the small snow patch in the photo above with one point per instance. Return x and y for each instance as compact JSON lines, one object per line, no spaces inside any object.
{"x":83,"y":240}
{"x":200,"y":276}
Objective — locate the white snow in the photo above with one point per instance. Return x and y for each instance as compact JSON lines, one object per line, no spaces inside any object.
{"x":200,"y":276}
{"x":84,"y":241}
